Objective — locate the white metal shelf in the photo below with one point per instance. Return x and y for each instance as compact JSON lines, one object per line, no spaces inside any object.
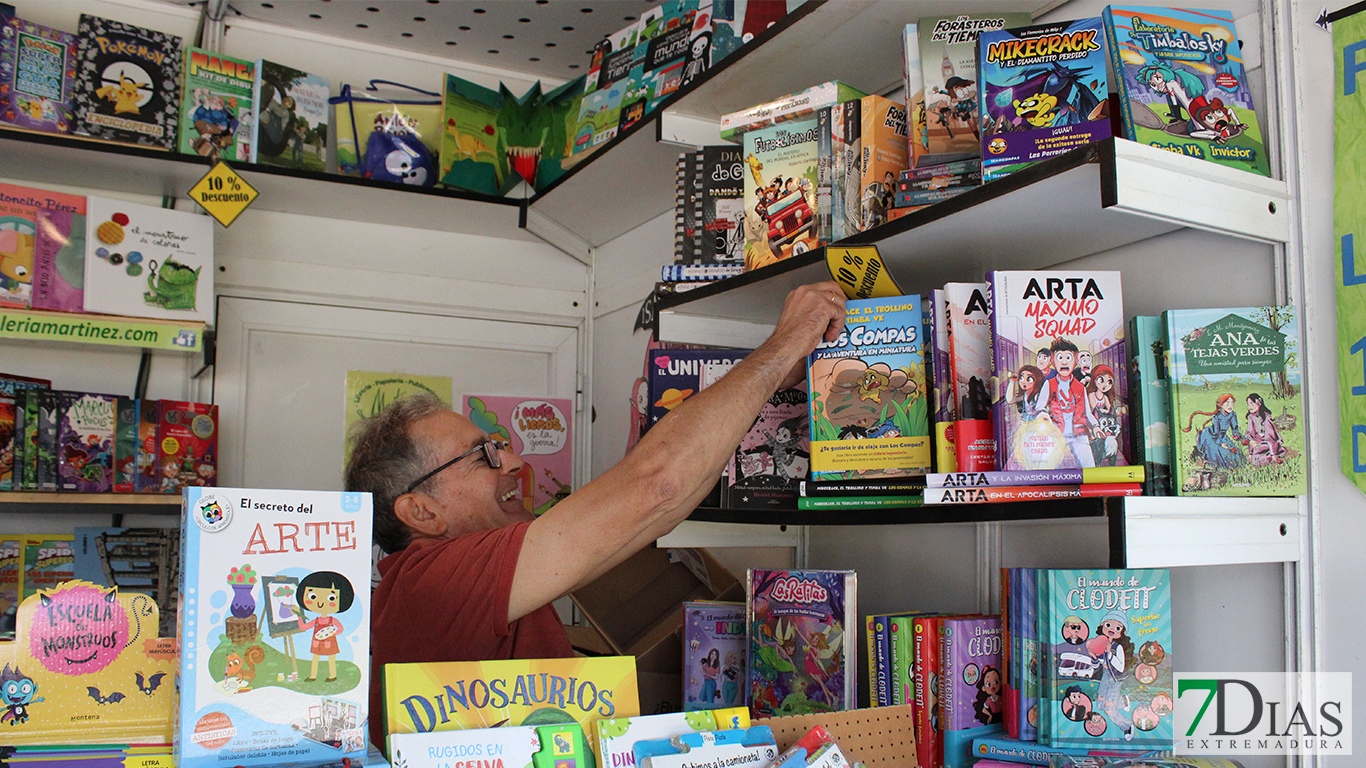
{"x":1172,"y":531}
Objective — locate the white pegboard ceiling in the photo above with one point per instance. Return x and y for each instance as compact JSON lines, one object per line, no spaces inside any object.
{"x":543,"y":38}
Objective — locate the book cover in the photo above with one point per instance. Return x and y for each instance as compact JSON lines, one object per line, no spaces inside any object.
{"x":599,"y":115}
{"x":1043,"y":92}
{"x":187,"y":445}
{"x":7,"y":433}
{"x":617,"y":736}
{"x":971,"y":690}
{"x":125,"y":457}
{"x":20,"y":206}
{"x":148,"y":261}
{"x":527,"y":746}
{"x":773,"y":456}
{"x":970,"y":334}
{"x":878,"y":695}
{"x":1237,"y":414}
{"x":127,"y":83}
{"x":1182,"y":85}
{"x":216,"y":106}
{"x":944,"y":409}
{"x":948,"y":66}
{"x":911,"y":486}
{"x":740,"y":746}
{"x":781,"y":214}
{"x":37,"y":75}
{"x":48,"y":562}
{"x":1108,"y":642}
{"x":825,"y":171}
{"x":22,"y":447}
{"x":685,"y":193}
{"x":677,"y":374}
{"x":85,"y":442}
{"x":928,"y":734}
{"x":1013,"y":751}
{"x":1151,"y":400}
{"x":260,"y":570}
{"x":714,"y":647}
{"x":883,"y":156}
{"x":802,"y":644}
{"x":291,"y":117}
{"x":541,"y":431}
{"x":1028,"y":604}
{"x":901,"y":650}
{"x":59,"y":261}
{"x":913,"y":85}
{"x":846,"y":126}
{"x":11,"y":584}
{"x":858,"y":502}
{"x":869,"y":413}
{"x":45,"y":458}
{"x":1059,"y":358}
{"x":1035,"y":477}
{"x":148,"y":476}
{"x":721,"y":187}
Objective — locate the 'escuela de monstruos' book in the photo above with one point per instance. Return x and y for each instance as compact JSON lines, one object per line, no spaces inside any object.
{"x":274,"y":626}
{"x":37,"y":74}
{"x":803,"y":641}
{"x":1059,"y":362}
{"x":127,"y":83}
{"x":869,"y":411}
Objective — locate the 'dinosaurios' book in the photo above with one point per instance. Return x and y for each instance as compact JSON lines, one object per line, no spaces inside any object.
{"x":803,"y":641}
{"x":127,"y":83}
{"x":37,"y":74}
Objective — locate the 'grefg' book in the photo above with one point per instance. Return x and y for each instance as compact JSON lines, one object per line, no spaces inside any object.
{"x":869,"y":411}
{"x":274,"y":627}
{"x":1062,"y":392}
{"x":802,"y":644}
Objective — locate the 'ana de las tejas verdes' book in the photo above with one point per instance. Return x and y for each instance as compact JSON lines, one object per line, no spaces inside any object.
{"x":127,"y":83}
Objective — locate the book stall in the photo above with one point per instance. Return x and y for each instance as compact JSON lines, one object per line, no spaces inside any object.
{"x":1069,"y":451}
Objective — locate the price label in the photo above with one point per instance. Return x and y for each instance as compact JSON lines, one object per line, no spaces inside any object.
{"x":860,"y":272}
{"x":223,"y":193}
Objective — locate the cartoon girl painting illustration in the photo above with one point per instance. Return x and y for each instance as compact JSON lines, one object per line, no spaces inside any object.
{"x":1263,"y":440}
{"x":1100,"y":398}
{"x":1115,"y":650}
{"x":324,"y":593}
{"x":711,"y":669}
{"x":1214,"y":446}
{"x":1023,"y":390}
{"x":987,"y":706}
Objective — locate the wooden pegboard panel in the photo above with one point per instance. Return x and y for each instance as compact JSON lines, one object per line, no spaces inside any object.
{"x":881,"y":737}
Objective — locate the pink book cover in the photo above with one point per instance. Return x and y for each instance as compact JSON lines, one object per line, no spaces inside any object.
{"x":59,"y":261}
{"x":540,"y":430}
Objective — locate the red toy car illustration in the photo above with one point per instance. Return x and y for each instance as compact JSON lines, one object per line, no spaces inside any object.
{"x":791,"y":221}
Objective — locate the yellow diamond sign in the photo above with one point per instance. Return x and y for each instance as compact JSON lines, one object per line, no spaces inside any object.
{"x":223,"y":193}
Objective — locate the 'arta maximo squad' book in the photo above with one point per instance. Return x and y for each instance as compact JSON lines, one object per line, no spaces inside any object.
{"x":1059,"y":362}
{"x":803,"y":637}
{"x":274,"y":627}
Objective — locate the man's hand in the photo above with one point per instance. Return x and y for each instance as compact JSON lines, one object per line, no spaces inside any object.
{"x":811,"y":313}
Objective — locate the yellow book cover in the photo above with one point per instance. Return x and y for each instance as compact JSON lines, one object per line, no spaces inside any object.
{"x":451,"y":695}
{"x":87,"y":667}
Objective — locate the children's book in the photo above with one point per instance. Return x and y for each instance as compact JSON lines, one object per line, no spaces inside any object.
{"x":527,"y":746}
{"x":677,"y":374}
{"x":59,"y":261}
{"x":148,"y":261}
{"x":798,"y":106}
{"x":869,"y":411}
{"x":1150,"y":396}
{"x":1059,"y":358}
{"x":972,"y":691}
{"x":948,"y":66}
{"x":19,"y":206}
{"x":1043,"y":92}
{"x":617,"y":736}
{"x":127,"y":83}
{"x":1107,"y":636}
{"x":540,"y":430}
{"x":721,"y":187}
{"x":148,"y":476}
{"x":7,"y":433}
{"x":1027,"y":604}
{"x":917,"y":130}
{"x":187,"y":445}
{"x":773,"y":456}
{"x":48,"y":562}
{"x":846,"y":126}
{"x":1126,"y":761}
{"x":216,"y":105}
{"x":884,"y":156}
{"x":125,"y":444}
{"x":803,"y":641}
{"x":263,"y":571}
{"x":1012,"y":751}
{"x":754,"y":745}
{"x":685,"y":195}
{"x":599,"y":115}
{"x":1182,"y":85}
{"x":11,"y":584}
{"x":944,"y":408}
{"x":781,"y":213}
{"x":714,"y":648}
{"x":37,"y":74}
{"x":969,"y":331}
{"x":45,"y":459}
{"x":928,"y":734}
{"x":1237,"y":416}
{"x":85,"y":442}
{"x":291,"y":117}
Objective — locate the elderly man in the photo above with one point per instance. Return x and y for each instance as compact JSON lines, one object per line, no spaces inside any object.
{"x":472,"y":574}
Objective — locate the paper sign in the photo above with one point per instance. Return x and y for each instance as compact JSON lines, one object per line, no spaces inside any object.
{"x":223,"y":193}
{"x":860,"y":272}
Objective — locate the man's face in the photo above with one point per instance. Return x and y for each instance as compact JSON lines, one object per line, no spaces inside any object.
{"x":470,"y":495}
{"x":1063,"y":360}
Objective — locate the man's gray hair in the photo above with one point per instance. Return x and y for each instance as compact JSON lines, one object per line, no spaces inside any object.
{"x":385,"y":459}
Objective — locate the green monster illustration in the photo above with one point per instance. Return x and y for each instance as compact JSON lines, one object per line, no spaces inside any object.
{"x":174,"y":287}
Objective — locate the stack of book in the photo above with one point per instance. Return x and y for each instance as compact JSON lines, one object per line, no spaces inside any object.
{"x":708,"y":218}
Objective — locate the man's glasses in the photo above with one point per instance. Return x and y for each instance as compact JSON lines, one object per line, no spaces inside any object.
{"x":490,"y":454}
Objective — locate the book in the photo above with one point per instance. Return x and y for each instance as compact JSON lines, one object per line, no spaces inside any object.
{"x":44,"y":424}
{"x":971,"y":675}
{"x":7,"y":433}
{"x":951,"y":173}
{"x":618,"y":736}
{"x":675,"y":273}
{"x":1237,"y":413}
{"x":1017,"y":751}
{"x":677,"y":374}
{"x":1150,"y":397}
{"x":913,"y":85}
{"x":1182,"y":84}
{"x":721,"y":197}
{"x":781,"y":214}
{"x":48,"y":560}
{"x":37,"y":76}
{"x":969,"y":331}
{"x":901,"y":660}
{"x":948,"y":66}
{"x":59,"y":261}
{"x":148,"y":476}
{"x":878,"y":694}
{"x":773,"y":456}
{"x":1059,"y":358}
{"x":1035,"y":477}
{"x":846,"y":145}
{"x":290,"y":129}
{"x":944,"y":410}
{"x":527,"y":746}
{"x":884,"y":155}
{"x":1009,"y":585}
{"x":825,"y":171}
{"x":798,"y":106}
{"x":909,"y":487}
{"x":541,"y":431}
{"x":85,"y":442}
{"x":1107,"y":636}
{"x":187,"y":445}
{"x":20,"y":205}
{"x":127,"y":83}
{"x":921,"y":197}
{"x":148,"y":261}
{"x":1071,"y":761}
{"x":857,"y":502}
{"x":125,"y":459}
{"x":217,"y":107}
{"x":714,"y":648}
{"x":11,"y":583}
{"x":740,"y":746}
{"x":928,"y":736}
{"x":685,"y":176}
{"x":802,"y":641}
{"x":1027,"y":604}
{"x":485,"y":694}
{"x":869,"y":413}
{"x":994,"y":494}
{"x":599,"y":115}
{"x":1043,"y":92}
{"x":260,"y":568}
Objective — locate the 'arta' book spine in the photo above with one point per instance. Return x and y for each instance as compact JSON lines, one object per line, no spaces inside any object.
{"x":1028,"y":493}
{"x":1090,"y":475}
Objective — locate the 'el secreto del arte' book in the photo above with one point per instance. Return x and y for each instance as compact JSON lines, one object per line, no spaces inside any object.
{"x":1061,"y":401}
{"x":869,"y":410}
{"x":803,"y":630}
{"x":274,"y":627}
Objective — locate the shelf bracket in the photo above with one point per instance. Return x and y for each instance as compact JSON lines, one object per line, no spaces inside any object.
{"x":144,"y":374}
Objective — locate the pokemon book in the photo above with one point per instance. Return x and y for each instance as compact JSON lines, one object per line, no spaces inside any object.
{"x":1062,"y":393}
{"x":617,"y":736}
{"x":773,"y":456}
{"x":972,"y":693}
{"x":1182,"y":86}
{"x":1043,"y":92}
{"x":59,"y":261}
{"x":781,"y":211}
{"x":948,"y":70}
{"x":85,"y":442}
{"x":1107,"y":643}
{"x":274,"y":627}
{"x":1151,"y":400}
{"x":37,"y":74}
{"x":216,"y":106}
{"x":1237,"y":416}
{"x":714,"y":647}
{"x":291,"y":117}
{"x":457,"y":695}
{"x":87,"y":667}
{"x":127,"y":83}
{"x":869,"y":412}
{"x":540,"y":430}
{"x":145,"y":261}
{"x":19,"y":208}
{"x":803,"y":641}
{"x":527,"y":746}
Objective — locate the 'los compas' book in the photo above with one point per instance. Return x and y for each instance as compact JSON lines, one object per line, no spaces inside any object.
{"x":127,"y":83}
{"x":274,"y":627}
{"x":803,"y":641}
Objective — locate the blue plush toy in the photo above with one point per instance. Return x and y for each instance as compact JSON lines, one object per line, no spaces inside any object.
{"x":394,"y":153}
